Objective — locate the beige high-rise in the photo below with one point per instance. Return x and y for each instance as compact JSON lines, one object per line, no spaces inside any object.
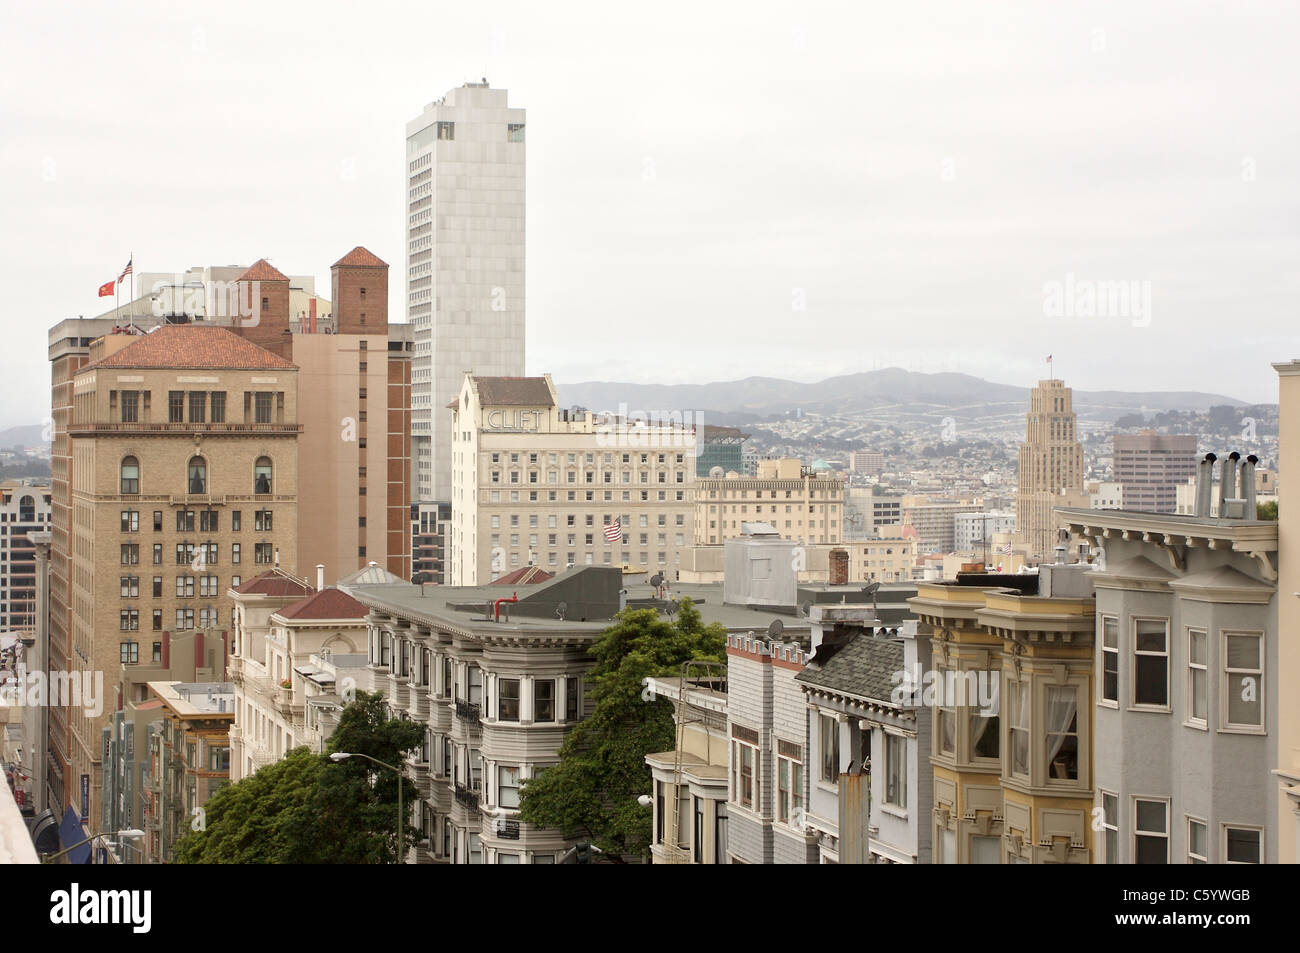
{"x":1051,"y":466}
{"x":183,"y":478}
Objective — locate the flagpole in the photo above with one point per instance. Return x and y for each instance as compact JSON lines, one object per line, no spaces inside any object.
{"x":131,"y":262}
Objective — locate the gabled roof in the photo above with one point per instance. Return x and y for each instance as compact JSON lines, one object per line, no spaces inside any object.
{"x":513,"y":391}
{"x":373,"y":575}
{"x":524,"y":576}
{"x":360,"y":258}
{"x":275,"y":582}
{"x":326,"y":604}
{"x":263,"y":270}
{"x":864,"y":668}
{"x":191,"y":346}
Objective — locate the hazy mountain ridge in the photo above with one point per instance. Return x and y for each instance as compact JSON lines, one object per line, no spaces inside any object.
{"x":892,"y":390}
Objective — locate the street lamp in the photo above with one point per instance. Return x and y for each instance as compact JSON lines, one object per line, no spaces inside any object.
{"x":131,"y":833}
{"x":338,"y":756}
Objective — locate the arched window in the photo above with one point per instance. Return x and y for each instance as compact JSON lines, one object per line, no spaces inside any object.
{"x":130,"y":475}
{"x":198,"y":475}
{"x":262,"y":475}
{"x":27,"y":510}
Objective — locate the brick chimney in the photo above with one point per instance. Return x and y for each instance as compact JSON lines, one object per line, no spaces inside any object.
{"x":359,"y":288}
{"x":839,"y":575}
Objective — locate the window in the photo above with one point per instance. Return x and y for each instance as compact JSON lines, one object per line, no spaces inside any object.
{"x":130,"y":521}
{"x":829,"y":747}
{"x":184,"y":619}
{"x":1019,"y":729}
{"x":262,"y":407}
{"x":235,"y":553}
{"x":1110,"y":826}
{"x":262,"y":554}
{"x":984,"y":850}
{"x":1062,"y":735}
{"x":157,"y":627}
{"x":1150,"y":831}
{"x":571,"y":699}
{"x":746,"y":759}
{"x":262,"y":522}
{"x":1243,"y":681}
{"x":208,"y":521}
{"x":184,"y":521}
{"x":219,"y":758}
{"x":1110,"y":660}
{"x":896,"y":770}
{"x":130,"y":475}
{"x":129,"y":653}
{"x":1151,"y":663}
{"x":1198,"y":841}
{"x":1197,"y":675}
{"x":184,"y":587}
{"x":198,"y":406}
{"x":130,"y":406}
{"x":129,"y":620}
{"x":236,"y":520}
{"x":515,"y":132}
{"x":985,"y":735}
{"x":157,"y":554}
{"x":544,"y":699}
{"x":218,"y":407}
{"x":1243,"y":845}
{"x":130,"y":554}
{"x":262,"y":475}
{"x":157,"y":587}
{"x":130,"y":587}
{"x":176,"y":406}
{"x":508,"y":699}
{"x":507,"y":786}
{"x":198,"y":475}
{"x":446,"y":130}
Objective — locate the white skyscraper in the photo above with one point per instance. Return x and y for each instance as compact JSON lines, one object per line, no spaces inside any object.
{"x":464,"y":262}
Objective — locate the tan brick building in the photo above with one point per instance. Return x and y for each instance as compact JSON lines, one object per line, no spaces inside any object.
{"x":183,"y":479}
{"x":796,"y":502}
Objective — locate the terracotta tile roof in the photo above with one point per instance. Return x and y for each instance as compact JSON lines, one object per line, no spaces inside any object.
{"x":275,"y":582}
{"x":187,"y":346}
{"x":455,"y":404}
{"x":360,"y":258}
{"x":326,"y":604}
{"x":263,"y":270}
{"x":516,"y":391}
{"x":526,"y":576}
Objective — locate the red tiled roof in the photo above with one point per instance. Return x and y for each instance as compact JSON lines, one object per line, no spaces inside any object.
{"x":275,"y":582}
{"x":263,"y":270}
{"x":455,"y":404}
{"x":326,"y":604}
{"x":360,"y":258}
{"x":189,"y":346}
{"x":527,"y":576}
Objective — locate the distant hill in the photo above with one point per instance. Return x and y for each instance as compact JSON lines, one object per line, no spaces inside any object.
{"x":889,"y":391}
{"x":31,"y":435}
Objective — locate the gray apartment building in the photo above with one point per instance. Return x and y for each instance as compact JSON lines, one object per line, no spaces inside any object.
{"x":1187,"y":685}
{"x":1150,"y":467}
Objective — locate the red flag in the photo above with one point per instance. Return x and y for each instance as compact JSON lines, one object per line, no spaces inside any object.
{"x":106,"y":289}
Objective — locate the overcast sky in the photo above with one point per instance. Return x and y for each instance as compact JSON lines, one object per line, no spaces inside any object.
{"x":791,"y":190}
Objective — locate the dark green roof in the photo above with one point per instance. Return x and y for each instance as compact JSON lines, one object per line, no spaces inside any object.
{"x":863,"y":668}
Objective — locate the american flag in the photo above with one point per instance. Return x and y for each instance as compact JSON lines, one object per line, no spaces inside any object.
{"x":614,"y":531}
{"x":1006,"y":550}
{"x":125,"y":271}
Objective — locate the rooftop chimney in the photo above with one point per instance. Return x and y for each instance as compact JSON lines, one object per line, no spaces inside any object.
{"x":1204,"y":484}
{"x":320,"y":577}
{"x":1228,"y":481}
{"x":1247,"y":491}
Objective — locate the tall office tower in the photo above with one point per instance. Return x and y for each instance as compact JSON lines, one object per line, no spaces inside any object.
{"x":1051,"y":467}
{"x":1151,"y":466}
{"x":24,"y":509}
{"x":177,"y":476}
{"x":464,"y":262}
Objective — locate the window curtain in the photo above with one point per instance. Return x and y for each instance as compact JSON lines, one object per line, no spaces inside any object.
{"x":1062,"y":705}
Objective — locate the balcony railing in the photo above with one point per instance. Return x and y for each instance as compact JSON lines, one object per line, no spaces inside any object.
{"x":466,"y":711}
{"x":467,"y":797}
{"x":77,"y":429}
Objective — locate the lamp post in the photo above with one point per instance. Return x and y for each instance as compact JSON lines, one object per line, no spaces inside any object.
{"x":401,"y":816}
{"x":131,"y":833}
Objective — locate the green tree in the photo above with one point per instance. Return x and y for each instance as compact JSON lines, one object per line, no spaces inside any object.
{"x":1266,"y":511}
{"x":592,"y":791}
{"x":307,"y":809}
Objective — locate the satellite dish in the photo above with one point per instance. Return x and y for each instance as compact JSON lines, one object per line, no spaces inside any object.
{"x":775,"y":629}
{"x":806,"y":609}
{"x":561,"y":611}
{"x":670,"y":610}
{"x":871,"y":589}
{"x":657,"y":580}
{"x":716,"y":473}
